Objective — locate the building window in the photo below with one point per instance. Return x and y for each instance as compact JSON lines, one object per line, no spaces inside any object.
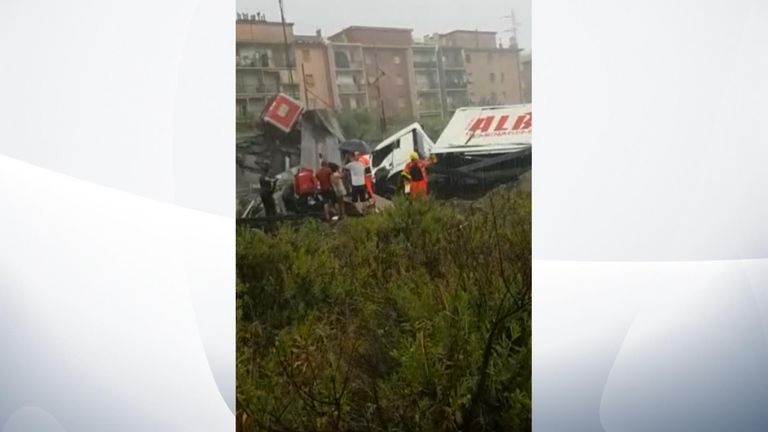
{"x":467,"y":58}
{"x":306,"y":55}
{"x":401,"y":103}
{"x":492,"y":77}
{"x":396,"y":59}
{"x":309,"y":79}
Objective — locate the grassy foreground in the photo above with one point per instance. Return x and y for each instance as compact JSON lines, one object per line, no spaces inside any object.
{"x":417,"y":319}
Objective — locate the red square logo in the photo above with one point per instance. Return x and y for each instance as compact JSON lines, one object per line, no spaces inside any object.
{"x":283,"y":112}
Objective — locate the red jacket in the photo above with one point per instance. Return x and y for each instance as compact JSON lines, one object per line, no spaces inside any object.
{"x":304,"y":183}
{"x":422,"y":165}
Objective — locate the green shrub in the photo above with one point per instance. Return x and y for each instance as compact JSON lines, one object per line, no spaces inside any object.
{"x":418,"y":318}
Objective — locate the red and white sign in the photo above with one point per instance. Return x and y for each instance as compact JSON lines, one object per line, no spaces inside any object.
{"x":500,"y":124}
{"x":487,"y":129}
{"x":283,"y":112}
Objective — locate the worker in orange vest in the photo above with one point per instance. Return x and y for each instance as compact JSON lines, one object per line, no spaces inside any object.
{"x":415,"y":174}
{"x":363,"y":159}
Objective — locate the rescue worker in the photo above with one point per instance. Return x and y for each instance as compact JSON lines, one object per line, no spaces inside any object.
{"x":267,"y":190}
{"x":415,"y":175}
{"x":305,"y":188}
{"x":337,"y":181}
{"x":363,"y":159}
{"x":325,"y":188}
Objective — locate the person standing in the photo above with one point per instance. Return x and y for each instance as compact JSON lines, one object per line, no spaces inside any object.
{"x":363,"y":159}
{"x":267,"y":190}
{"x":415,"y":173}
{"x":357,"y":180}
{"x":325,"y":188}
{"x":337,"y":181}
{"x":305,"y":188}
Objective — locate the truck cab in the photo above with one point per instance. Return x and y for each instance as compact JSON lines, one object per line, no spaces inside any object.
{"x":391,"y":155}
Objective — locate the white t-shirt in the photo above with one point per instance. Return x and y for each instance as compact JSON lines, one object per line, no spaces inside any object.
{"x":357,"y":173}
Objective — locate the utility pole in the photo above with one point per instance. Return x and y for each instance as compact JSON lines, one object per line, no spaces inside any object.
{"x":377,"y":83}
{"x":304,"y":80}
{"x":285,"y":41}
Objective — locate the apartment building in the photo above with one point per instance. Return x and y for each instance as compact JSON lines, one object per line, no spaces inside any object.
{"x":493,"y":71}
{"x":428,"y":81}
{"x":387,"y":64}
{"x":454,"y":78}
{"x":314,"y":66}
{"x":379,"y":69}
{"x":527,"y":75}
{"x":348,"y":71}
{"x":263,"y":64}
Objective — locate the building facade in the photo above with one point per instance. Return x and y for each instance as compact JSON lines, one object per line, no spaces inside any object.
{"x":493,"y":71}
{"x":314,"y":66}
{"x":378,"y":69}
{"x":526,"y":77}
{"x":265,"y":65}
{"x":427,"y":81}
{"x":348,"y":66}
{"x":387,"y":65}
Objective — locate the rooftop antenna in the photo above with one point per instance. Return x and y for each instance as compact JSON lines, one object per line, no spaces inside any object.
{"x":513,"y":28}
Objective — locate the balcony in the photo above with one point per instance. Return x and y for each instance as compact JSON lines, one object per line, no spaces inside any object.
{"x":430,"y":108}
{"x":344,"y":60}
{"x":456,"y":86}
{"x":353,"y":66}
{"x":351,"y":89}
{"x":425,"y":64}
{"x":262,"y":61}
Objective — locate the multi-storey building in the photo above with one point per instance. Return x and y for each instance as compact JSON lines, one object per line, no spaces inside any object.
{"x":428,"y":81}
{"x":388,"y":67}
{"x":493,"y":71}
{"x":348,"y":66}
{"x":265,"y":64}
{"x":377,"y":69}
{"x":314,"y":67}
{"x":454,"y":78}
{"x":526,"y":77}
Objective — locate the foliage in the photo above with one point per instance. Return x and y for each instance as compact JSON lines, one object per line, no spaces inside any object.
{"x":434,"y":126}
{"x":364,"y":124}
{"x":360,"y":124}
{"x":418,"y":318}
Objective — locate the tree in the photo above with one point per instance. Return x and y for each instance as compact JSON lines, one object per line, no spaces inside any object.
{"x":359,"y":124}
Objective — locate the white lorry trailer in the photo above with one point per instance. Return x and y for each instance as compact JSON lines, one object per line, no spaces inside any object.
{"x":480,"y":148}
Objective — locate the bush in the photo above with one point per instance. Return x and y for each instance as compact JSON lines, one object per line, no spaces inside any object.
{"x":418,"y":318}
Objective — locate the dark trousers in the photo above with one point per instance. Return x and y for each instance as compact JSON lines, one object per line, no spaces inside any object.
{"x":268,"y":200}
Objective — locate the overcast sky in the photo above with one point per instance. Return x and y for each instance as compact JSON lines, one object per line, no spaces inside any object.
{"x":423,"y":16}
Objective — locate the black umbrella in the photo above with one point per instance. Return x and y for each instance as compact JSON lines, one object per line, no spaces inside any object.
{"x":354,"y":145}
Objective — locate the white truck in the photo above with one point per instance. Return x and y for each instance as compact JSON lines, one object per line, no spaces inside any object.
{"x":391,"y":155}
{"x":480,"y":148}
